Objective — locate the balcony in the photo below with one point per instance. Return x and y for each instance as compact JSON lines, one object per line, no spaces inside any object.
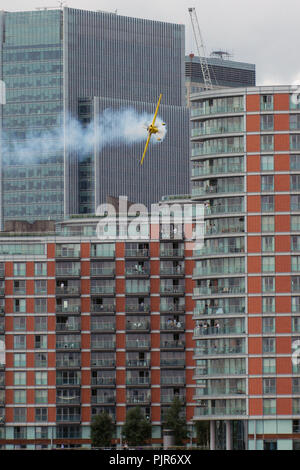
{"x":2,"y":270}
{"x":63,"y":344}
{"x":142,"y":381}
{"x":64,"y":252}
{"x":172,"y":344}
{"x":137,"y":325}
{"x":200,"y":291}
{"x":67,"y":363}
{"x":218,"y":391}
{"x":68,"y":308}
{"x":218,"y":269}
{"x":137,"y":344}
{"x":199,"y":412}
{"x":138,"y":398}
{"x":224,"y":168}
{"x":137,"y":271}
{"x":172,"y":290}
{"x":172,"y":380}
{"x":172,"y":325}
{"x":172,"y":271}
{"x":65,"y":271}
{"x":73,"y":326}
{"x":138,"y":363}
{"x":67,"y":290}
{"x":103,"y":308}
{"x":172,"y":362}
{"x":140,"y":308}
{"x":137,"y":253}
{"x":172,"y":308}
{"x":216,"y":109}
{"x":102,"y":326}
{"x":103,"y":251}
{"x":107,"y":345}
{"x":169,"y":398}
{"x":69,"y":419}
{"x":221,"y":189}
{"x":105,"y":381}
{"x":215,"y":351}
{"x":229,"y":330}
{"x":171,"y":252}
{"x":219,"y":371}
{"x":222,"y":129}
{"x":102,"y":290}
{"x":102,"y":272}
{"x":109,"y":363}
{"x":236,"y":309}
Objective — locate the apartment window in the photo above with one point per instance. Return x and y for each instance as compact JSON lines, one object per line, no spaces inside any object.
{"x":19,"y":269}
{"x":41,"y":396}
{"x":267,"y":143}
{"x":296,"y":304}
{"x":295,"y":283}
{"x":41,"y":432}
{"x":267,"y":203}
{"x":269,"y":365}
{"x":268,"y":345}
{"x":267,"y":162}
{"x":266,"y":102}
{"x":20,"y":432}
{"x":296,"y":385}
{"x":40,"y":359}
{"x":41,"y":415}
{"x":19,"y":287}
{"x":266,"y":122}
{"x":19,"y":397}
{"x":40,"y":287}
{"x":269,"y":386}
{"x":20,"y":414}
{"x":40,"y":269}
{"x":267,"y":244}
{"x":268,"y":304}
{"x":267,"y":183}
{"x":19,"y":342}
{"x":40,"y":323}
{"x":40,"y":305}
{"x":40,"y":341}
{"x":20,"y":323}
{"x":295,"y":263}
{"x":295,"y":202}
{"x":19,"y":378}
{"x":269,"y":444}
{"x":267,"y":223}
{"x":269,"y":406}
{"x":268,"y":325}
{"x":19,"y":305}
{"x":19,"y":360}
{"x":268,"y":264}
{"x":295,"y":162}
{"x":268,"y":284}
{"x":41,"y":378}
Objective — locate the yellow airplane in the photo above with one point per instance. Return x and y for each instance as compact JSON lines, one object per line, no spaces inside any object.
{"x":152,"y":129}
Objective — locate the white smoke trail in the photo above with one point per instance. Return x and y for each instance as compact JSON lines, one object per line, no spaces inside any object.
{"x":112,"y":128}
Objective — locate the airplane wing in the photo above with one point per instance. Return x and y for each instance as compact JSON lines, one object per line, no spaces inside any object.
{"x":156,"y":111}
{"x":146,"y":146}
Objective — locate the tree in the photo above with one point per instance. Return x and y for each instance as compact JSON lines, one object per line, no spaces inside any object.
{"x":102,"y":430}
{"x":137,"y":429}
{"x":176,"y":422}
{"x":202,"y":431}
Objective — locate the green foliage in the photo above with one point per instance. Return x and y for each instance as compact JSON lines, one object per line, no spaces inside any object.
{"x":102,"y":430}
{"x":177,"y":424}
{"x":202,"y":431}
{"x":137,"y":429}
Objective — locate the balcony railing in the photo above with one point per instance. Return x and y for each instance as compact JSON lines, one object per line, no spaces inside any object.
{"x":103,"y":363}
{"x":102,"y":308}
{"x":164,"y":289}
{"x":219,"y":371}
{"x":65,"y":271}
{"x":172,"y":271}
{"x":68,"y":308}
{"x":132,"y":308}
{"x":137,"y":253}
{"x":137,"y":325}
{"x":221,"y":350}
{"x":67,"y":290}
{"x":219,"y":411}
{"x":172,"y":344}
{"x":105,"y":326}
{"x":172,"y":362}
{"x":133,"y":271}
{"x":139,"y":344}
{"x":103,"y":344}
{"x":217,"y":169}
{"x":172,"y":326}
{"x":218,"y":331}
{"x":225,"y":129}
{"x":170,"y":398}
{"x":102,"y":289}
{"x":171,"y":253}
{"x":102,"y":271}
{"x":68,"y":344}
{"x":138,"y":381}
{"x":221,"y":109}
{"x":68,"y":419}
{"x":68,"y":326}
{"x":103,"y":380}
{"x":138,"y":363}
{"x":218,"y":311}
{"x":175,"y":380}
{"x":218,"y":291}
{"x":234,"y":188}
{"x":140,"y":398}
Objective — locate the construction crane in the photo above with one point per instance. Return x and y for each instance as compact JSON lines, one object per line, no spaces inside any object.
{"x":200,"y":49}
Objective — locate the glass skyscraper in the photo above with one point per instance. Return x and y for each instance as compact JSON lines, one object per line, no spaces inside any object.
{"x":55,"y":64}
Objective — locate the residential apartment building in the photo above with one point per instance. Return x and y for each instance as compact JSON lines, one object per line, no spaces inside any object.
{"x":246,"y":171}
{"x":91,"y":326}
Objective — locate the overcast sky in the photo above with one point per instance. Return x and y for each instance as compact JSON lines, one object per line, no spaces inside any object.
{"x":263,"y":32}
